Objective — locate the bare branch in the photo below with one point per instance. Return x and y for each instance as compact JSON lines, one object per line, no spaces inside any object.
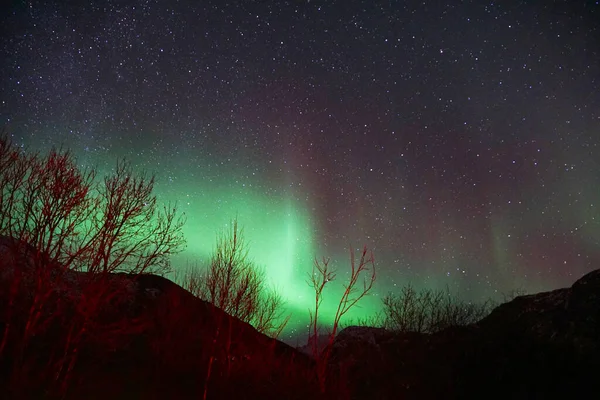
{"x":321,"y":275}
{"x":234,"y":283}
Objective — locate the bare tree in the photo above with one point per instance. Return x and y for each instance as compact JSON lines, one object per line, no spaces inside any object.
{"x":71,"y":220}
{"x":56,"y":219}
{"x":236,"y":285}
{"x":429,"y":311}
{"x":44,"y":203}
{"x":129,"y":233}
{"x":353,"y":292}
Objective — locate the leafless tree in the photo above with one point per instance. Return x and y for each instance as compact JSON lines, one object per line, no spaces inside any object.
{"x":233,"y":283}
{"x":56,"y":219}
{"x":429,"y":311}
{"x":236,"y":285}
{"x":321,"y":275}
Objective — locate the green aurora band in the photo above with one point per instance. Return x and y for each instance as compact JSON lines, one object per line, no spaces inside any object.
{"x":280,"y":232}
{"x":280,"y":236}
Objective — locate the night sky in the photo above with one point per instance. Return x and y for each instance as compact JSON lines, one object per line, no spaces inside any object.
{"x":459,"y":140}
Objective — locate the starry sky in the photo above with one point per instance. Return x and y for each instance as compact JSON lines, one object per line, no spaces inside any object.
{"x":459,"y":140}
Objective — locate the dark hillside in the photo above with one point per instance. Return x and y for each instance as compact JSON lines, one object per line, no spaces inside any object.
{"x":152,"y":339}
{"x":544,"y":345}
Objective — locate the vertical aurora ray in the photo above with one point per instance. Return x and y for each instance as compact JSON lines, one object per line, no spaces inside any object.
{"x":281,"y":239}
{"x":501,"y":246}
{"x":277,"y":229}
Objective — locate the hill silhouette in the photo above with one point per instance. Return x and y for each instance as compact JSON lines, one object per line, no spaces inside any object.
{"x":155,"y":340}
{"x":543,"y":345}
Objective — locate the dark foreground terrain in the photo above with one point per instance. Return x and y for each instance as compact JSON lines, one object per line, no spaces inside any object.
{"x":71,"y":335}
{"x":538,"y":346}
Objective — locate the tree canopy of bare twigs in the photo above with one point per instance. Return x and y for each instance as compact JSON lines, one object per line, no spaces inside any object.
{"x":73,"y":220}
{"x":57,"y":218}
{"x":429,"y":311}
{"x":235,"y":284}
{"x":354,"y":291}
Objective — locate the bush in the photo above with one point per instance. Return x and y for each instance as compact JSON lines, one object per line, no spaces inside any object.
{"x":429,"y":311}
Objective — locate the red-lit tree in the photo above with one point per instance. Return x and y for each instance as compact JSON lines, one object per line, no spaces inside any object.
{"x":63,"y":235}
{"x":353,"y":292}
{"x":235,"y":284}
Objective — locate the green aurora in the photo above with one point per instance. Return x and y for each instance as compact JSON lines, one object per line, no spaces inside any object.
{"x":280,"y":234}
{"x":282,"y":226}
{"x":279,"y":229}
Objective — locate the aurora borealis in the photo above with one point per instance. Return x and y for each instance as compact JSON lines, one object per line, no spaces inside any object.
{"x":458,"y":140}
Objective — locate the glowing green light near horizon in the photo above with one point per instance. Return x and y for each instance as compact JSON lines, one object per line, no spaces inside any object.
{"x":278,"y":230}
{"x":280,"y":236}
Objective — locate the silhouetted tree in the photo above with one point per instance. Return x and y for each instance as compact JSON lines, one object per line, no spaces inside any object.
{"x":234,"y":283}
{"x":429,"y":311}
{"x":321,"y":275}
{"x":55,"y":219}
